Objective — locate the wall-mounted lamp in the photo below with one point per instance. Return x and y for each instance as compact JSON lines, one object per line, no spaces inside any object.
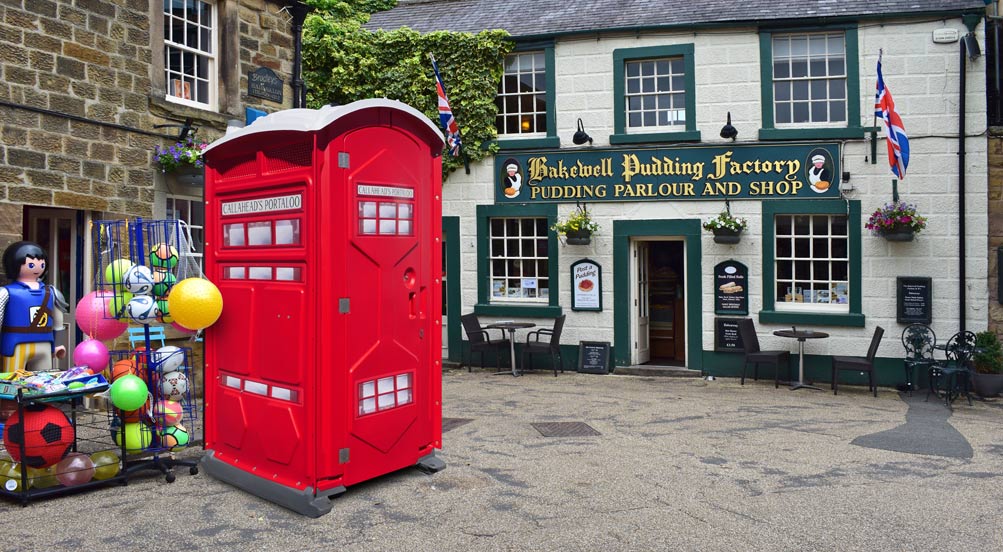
{"x":185,"y":128}
{"x":972,"y":45}
{"x":728,"y":131}
{"x":581,"y":136}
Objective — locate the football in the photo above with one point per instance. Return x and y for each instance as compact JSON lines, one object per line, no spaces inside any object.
{"x":175,"y":437}
{"x":163,"y":255}
{"x":174,"y":386}
{"x":139,"y":280}
{"x":142,"y":309}
{"x":169,"y":359}
{"x":45,"y":434}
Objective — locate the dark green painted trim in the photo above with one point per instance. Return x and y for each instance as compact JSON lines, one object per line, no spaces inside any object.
{"x":889,"y":372}
{"x":551,"y":141}
{"x":655,"y":137}
{"x":529,"y":143}
{"x":623,"y":231}
{"x":853,"y":129}
{"x":811,"y":133}
{"x":486,"y":212}
{"x":810,"y":207}
{"x":451,"y":235}
{"x":825,"y":319}
{"x":623,"y":55}
{"x":569,"y":357}
{"x":515,"y":310}
{"x":971,"y":21}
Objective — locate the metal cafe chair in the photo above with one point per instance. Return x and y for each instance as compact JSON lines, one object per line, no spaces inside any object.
{"x":753,"y":354}
{"x":858,"y":364}
{"x":951,"y":377}
{"x":919,"y":341}
{"x":479,"y":341}
{"x":551,"y":346}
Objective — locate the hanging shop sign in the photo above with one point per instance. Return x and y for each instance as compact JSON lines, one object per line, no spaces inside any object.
{"x":731,"y":283}
{"x":586,"y":286}
{"x":758,"y":171}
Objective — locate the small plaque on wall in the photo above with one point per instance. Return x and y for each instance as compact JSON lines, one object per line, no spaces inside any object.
{"x":915,"y":300}
{"x":726,"y":336}
{"x":731,"y":288}
{"x":586,"y":286}
{"x":264,"y":83}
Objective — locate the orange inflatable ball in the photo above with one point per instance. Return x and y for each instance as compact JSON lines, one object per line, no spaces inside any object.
{"x":195,"y":303}
{"x":123,"y":367}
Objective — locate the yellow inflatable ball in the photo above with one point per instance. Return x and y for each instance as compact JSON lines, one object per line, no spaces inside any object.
{"x":117,"y":304}
{"x":137,"y":436}
{"x":115,"y":271}
{"x":106,"y":464}
{"x":195,"y":303}
{"x":42,"y":478}
{"x":10,"y":477}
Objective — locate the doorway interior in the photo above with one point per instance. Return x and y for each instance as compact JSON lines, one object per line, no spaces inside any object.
{"x":661,"y":302}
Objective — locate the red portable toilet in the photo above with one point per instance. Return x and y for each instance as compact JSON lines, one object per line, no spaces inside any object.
{"x":323,"y":234}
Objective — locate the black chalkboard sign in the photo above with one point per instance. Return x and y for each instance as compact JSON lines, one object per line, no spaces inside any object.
{"x":593,"y":357}
{"x":731,"y":288}
{"x":915,"y":300}
{"x":726,"y":336}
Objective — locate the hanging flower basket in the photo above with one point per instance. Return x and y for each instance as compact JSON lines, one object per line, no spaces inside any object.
{"x":579,"y":237}
{"x":189,"y":175}
{"x":897,"y":221}
{"x":727,"y":235}
{"x":182,"y":161}
{"x":726,"y":228}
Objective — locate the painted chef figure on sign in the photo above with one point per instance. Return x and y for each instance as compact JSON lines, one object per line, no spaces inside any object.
{"x":30,"y":311}
{"x":819,"y":176}
{"x":513,"y":178}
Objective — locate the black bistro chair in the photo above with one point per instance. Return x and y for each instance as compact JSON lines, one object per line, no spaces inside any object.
{"x":479,"y":341}
{"x":858,"y":364}
{"x":919,"y":342}
{"x":755,"y":355}
{"x":951,"y":377}
{"x":551,"y":346}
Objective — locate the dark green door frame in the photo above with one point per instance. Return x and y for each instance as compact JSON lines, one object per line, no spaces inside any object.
{"x":623,"y":231}
{"x":451,"y":235}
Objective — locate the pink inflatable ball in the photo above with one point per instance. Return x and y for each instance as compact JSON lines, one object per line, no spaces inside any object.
{"x":76,"y":469}
{"x":93,"y":320}
{"x":91,"y":353}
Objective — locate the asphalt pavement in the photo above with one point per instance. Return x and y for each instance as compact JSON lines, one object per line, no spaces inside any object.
{"x":604,"y":462}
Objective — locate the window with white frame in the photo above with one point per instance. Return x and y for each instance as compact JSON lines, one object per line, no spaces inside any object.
{"x":190,"y":210}
{"x":522,"y":96}
{"x":812,"y":263}
{"x":655,"y":94}
{"x":519,"y":260}
{"x":809,"y":78}
{"x":190,"y":52}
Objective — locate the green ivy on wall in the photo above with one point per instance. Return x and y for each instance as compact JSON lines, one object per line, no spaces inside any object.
{"x":342,"y":63}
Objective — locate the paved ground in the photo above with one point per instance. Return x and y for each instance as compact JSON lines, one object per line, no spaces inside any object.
{"x":677,"y":464}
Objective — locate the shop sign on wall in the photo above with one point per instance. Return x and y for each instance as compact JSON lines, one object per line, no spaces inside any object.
{"x":915,"y":300}
{"x":770,"y":171}
{"x":731,"y":288}
{"x":586,"y":286}
{"x":264,"y":83}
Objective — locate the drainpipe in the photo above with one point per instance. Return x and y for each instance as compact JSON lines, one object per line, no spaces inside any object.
{"x":298,"y":10}
{"x":961,"y":189}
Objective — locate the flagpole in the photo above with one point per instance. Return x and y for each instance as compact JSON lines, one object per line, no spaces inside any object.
{"x":439,"y":82}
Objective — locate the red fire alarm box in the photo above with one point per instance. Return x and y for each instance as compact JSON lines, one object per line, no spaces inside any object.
{"x":323,"y":235}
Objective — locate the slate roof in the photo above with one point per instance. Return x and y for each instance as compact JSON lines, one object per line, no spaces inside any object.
{"x":542,"y":18}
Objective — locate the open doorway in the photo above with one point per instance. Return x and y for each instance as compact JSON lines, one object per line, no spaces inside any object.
{"x":660,"y":306}
{"x":57,"y":232}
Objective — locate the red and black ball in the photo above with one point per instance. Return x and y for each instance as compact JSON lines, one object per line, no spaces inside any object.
{"x":45,"y":433}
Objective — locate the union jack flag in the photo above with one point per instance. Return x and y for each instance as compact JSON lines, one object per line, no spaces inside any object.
{"x":446,"y":118}
{"x":898,"y":142}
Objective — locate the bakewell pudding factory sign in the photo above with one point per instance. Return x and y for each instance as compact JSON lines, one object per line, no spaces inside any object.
{"x":772,"y":171}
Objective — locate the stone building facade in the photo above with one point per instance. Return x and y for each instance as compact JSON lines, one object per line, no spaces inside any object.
{"x":86,"y":85}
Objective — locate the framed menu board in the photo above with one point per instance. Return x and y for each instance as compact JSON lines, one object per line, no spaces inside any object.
{"x":726,"y":336}
{"x":731,"y":288}
{"x":915,"y":300}
{"x":593,"y":357}
{"x":586,"y":286}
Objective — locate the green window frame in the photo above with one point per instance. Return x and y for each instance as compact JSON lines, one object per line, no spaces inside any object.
{"x":768,"y":314}
{"x":852,"y":129}
{"x":484,"y":306}
{"x":621,"y":57}
{"x":513,"y":142}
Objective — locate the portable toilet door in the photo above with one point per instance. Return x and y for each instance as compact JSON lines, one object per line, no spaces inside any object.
{"x":324,"y":369}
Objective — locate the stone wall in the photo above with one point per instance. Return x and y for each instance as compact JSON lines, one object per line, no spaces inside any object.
{"x":995,"y":201}
{"x":83,"y":88}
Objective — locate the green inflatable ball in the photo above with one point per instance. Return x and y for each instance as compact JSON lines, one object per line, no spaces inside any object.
{"x":129,"y":392}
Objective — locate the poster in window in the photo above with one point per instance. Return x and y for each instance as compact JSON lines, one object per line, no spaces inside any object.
{"x":586,"y":286}
{"x":497,"y":288}
{"x":838,"y":293}
{"x":182,"y":89}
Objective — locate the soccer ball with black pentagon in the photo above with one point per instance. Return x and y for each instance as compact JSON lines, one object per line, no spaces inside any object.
{"x":45,"y":433}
